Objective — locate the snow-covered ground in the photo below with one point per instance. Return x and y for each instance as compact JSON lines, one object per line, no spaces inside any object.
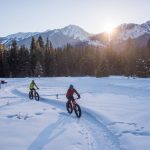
{"x":115,"y":115}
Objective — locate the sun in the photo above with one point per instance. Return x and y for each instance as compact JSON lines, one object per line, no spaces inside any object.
{"x":109,"y":28}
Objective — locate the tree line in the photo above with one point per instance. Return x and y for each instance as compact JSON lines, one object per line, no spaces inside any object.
{"x":41,"y":59}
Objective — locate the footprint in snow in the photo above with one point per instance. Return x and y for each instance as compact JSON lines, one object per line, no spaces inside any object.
{"x":54,"y":108}
{"x":19,"y":116}
{"x":44,"y":109}
{"x":136,"y":133}
{"x":80,"y":132}
{"x":11,"y":116}
{"x":123,"y":123}
{"x":38,"y":113}
{"x":77,"y":145}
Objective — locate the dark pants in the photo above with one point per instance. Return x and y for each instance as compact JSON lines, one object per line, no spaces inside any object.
{"x":70,"y":98}
{"x":32,"y":90}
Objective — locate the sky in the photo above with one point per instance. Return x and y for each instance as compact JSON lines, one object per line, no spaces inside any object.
{"x":94,"y":16}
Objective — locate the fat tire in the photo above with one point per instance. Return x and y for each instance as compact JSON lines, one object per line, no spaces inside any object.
{"x":37,"y":97}
{"x":69,"y":107}
{"x":30,"y":95}
{"x":77,"y":110}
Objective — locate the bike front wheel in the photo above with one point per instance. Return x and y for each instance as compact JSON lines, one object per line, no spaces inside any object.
{"x":77,"y":110}
{"x":37,"y":96}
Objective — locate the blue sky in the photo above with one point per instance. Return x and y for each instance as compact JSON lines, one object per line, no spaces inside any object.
{"x":92,"y":15}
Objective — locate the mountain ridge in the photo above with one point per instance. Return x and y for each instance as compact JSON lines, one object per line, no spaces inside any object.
{"x":74,"y":35}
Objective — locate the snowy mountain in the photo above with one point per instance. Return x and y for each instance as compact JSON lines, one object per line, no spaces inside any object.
{"x":59,"y":37}
{"x":17,"y":36}
{"x":75,"y":32}
{"x":76,"y":36}
{"x":138,"y":33}
{"x":132,"y":31}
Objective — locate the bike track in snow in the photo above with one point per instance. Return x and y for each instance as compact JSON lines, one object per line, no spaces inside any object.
{"x":91,"y":127}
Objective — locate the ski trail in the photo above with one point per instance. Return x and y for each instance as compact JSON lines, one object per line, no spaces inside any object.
{"x":10,"y":104}
{"x":10,"y":96}
{"x":97,"y":135}
{"x":51,"y":132}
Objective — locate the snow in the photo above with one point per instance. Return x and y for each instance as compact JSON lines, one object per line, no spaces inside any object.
{"x":133,"y":31}
{"x":71,"y":31}
{"x":75,"y":32}
{"x":95,"y":43}
{"x":21,"y":35}
{"x":124,"y":32}
{"x":115,"y":114}
{"x":18,"y":37}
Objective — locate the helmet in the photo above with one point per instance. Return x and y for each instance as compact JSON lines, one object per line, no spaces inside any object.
{"x":32,"y":81}
{"x":71,"y":86}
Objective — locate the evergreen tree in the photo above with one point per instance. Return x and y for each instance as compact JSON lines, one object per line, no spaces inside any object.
{"x":24,"y":62}
{"x":13,"y":59}
{"x":102,"y":69}
{"x":33,"y":57}
{"x":42,"y":59}
{"x":148,"y":44}
{"x":47,"y":58}
{"x":38,"y":70}
{"x":40,"y":42}
{"x":141,"y":68}
{"x":6,"y":68}
{"x":130,"y":58}
{"x":1,"y":63}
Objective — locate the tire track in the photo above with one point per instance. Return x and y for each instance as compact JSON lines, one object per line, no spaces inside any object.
{"x":8,"y":97}
{"x":97,"y":135}
{"x":51,"y":132}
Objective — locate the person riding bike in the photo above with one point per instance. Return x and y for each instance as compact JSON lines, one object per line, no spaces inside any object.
{"x":71,"y":92}
{"x":33,"y":86}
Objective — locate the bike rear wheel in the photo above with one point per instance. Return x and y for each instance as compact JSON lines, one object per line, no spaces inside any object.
{"x":77,"y":110}
{"x":69,"y":107}
{"x":37,"y":96}
{"x":31,"y":95}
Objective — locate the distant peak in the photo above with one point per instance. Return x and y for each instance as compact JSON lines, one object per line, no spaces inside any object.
{"x":148,"y":22}
{"x":72,"y":27}
{"x":75,"y":32}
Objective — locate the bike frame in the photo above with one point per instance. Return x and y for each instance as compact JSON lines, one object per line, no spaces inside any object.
{"x":34,"y":91}
{"x":73,"y":103}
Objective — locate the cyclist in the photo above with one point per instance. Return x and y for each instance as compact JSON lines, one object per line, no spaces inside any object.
{"x":33,"y":86}
{"x":71,"y":92}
